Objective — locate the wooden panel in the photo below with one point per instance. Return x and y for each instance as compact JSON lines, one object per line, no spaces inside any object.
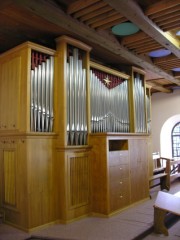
{"x":29,"y":193}
{"x":139,"y":169}
{"x":13,"y":149}
{"x":9,"y":177}
{"x":99,"y":175}
{"x":41,"y":189}
{"x":79,"y":179}
{"x":72,"y":177}
{"x":9,"y":93}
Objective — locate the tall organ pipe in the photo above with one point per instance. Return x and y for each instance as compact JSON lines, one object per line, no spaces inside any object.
{"x":51,"y":83}
{"x":148,"y":113}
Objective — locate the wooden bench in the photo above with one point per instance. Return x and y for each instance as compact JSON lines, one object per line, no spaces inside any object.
{"x":159,"y":172}
{"x":165,"y":170}
{"x":165,"y":203}
{"x":163,"y":178}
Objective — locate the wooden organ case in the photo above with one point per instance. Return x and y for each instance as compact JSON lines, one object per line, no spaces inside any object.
{"x":74,"y":135}
{"x":121,"y":150}
{"x":71,"y":124}
{"x":26,"y":136}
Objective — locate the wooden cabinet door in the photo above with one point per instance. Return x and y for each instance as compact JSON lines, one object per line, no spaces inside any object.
{"x":138,"y":149}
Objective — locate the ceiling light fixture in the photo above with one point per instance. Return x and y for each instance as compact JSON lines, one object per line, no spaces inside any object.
{"x":178,"y":33}
{"x":176,"y":69}
{"x":160,"y":53}
{"x":125,"y":29}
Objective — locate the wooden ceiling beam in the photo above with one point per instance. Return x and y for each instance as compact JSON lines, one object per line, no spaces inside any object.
{"x":169,"y":27}
{"x":79,"y":5}
{"x":89,"y":9}
{"x":173,"y":19}
{"x":164,"y":12}
{"x":142,"y":43}
{"x":106,"y":19}
{"x":112,"y":23}
{"x":164,"y":59}
{"x":169,"y":65}
{"x":52,"y":14}
{"x":159,"y":87}
{"x":177,"y":74}
{"x":95,"y":13}
{"x":147,"y":49}
{"x":166,"y":17}
{"x":160,"y":6}
{"x":101,"y":17}
{"x":134,"y":38}
{"x":5,"y":4}
{"x":131,"y":10}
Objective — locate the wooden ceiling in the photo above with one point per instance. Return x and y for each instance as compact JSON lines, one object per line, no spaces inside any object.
{"x":91,"y":21}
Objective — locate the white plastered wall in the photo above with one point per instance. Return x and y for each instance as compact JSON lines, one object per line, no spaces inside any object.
{"x":165,"y":114}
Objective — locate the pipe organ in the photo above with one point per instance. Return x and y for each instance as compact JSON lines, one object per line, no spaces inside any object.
{"x":70,"y":131}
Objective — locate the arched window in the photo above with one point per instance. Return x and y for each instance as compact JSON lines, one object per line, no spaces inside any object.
{"x":175,"y":135}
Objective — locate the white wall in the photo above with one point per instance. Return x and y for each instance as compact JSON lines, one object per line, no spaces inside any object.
{"x":165,"y":114}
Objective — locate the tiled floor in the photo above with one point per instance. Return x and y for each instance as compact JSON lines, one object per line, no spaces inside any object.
{"x":128,"y":225}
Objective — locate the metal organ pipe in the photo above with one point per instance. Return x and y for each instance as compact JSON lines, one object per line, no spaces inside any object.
{"x":109,"y":106}
{"x":148,"y":113}
{"x":76,"y":99}
{"x":139,"y":97}
{"x":47,"y":100}
{"x":32,"y":120}
{"x":42,"y":77}
{"x":51,"y":82}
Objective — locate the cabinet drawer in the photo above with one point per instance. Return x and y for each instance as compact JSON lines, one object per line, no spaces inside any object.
{"x":121,"y":185}
{"x":118,"y":172}
{"x":118,"y":157}
{"x":119,"y":199}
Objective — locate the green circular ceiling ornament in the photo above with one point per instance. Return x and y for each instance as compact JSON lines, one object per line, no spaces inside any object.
{"x":125,"y":29}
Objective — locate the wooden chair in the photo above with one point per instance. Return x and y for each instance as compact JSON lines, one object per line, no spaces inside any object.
{"x":159,"y":164}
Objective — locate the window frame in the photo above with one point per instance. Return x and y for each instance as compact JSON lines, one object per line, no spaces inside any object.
{"x":173,"y":135}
